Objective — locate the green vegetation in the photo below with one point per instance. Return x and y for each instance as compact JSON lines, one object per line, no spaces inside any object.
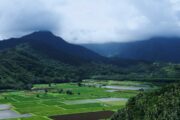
{"x":42,"y":104}
{"x":32,"y":68}
{"x":42,"y":58}
{"x":24,"y":66}
{"x":162,"y":104}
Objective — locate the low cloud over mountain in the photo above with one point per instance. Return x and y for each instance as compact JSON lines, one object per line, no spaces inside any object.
{"x":87,"y":21}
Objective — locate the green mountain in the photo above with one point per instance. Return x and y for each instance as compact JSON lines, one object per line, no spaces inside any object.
{"x":42,"y":57}
{"x":163,"y":104}
{"x":55,"y":47}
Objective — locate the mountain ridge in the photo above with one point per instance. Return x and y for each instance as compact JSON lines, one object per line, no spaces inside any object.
{"x":45,"y":58}
{"x":41,"y":57}
{"x":160,"y":49}
{"x":55,"y":46}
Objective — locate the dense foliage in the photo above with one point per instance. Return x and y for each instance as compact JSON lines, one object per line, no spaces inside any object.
{"x":163,"y":104}
{"x":22,"y":66}
{"x":42,"y":57}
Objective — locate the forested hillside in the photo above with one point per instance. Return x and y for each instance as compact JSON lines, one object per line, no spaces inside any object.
{"x":163,"y":104}
{"x":24,"y":66}
{"x":42,"y":57}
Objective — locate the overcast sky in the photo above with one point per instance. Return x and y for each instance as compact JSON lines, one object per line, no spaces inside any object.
{"x":91,"y":21}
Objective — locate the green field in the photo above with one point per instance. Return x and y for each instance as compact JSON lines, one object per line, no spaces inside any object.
{"x":42,"y":103}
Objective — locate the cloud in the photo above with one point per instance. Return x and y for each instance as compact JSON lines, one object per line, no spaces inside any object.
{"x":87,"y":21}
{"x":19,"y":17}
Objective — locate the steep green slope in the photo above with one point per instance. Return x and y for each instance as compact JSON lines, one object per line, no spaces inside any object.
{"x":23,"y":65}
{"x":42,"y":57}
{"x":55,"y":47}
{"x":163,"y":104}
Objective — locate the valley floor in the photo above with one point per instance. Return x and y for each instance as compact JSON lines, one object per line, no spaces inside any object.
{"x":45,"y":101}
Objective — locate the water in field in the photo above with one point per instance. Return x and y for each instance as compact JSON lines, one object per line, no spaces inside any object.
{"x":112,"y":90}
{"x":124,"y":87}
{"x":72,"y":102}
{"x":4,"y":107}
{"x":111,"y":99}
{"x":6,"y":113}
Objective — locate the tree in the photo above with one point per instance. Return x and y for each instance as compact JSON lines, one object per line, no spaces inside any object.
{"x":79,"y":84}
{"x":37,"y":95}
{"x":61,"y":91}
{"x":46,"y":91}
{"x":69,"y":92}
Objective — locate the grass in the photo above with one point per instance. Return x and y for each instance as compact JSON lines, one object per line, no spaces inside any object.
{"x":42,"y":105}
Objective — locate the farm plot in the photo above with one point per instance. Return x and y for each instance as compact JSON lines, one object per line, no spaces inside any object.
{"x":7,"y":113}
{"x":85,"y":116}
{"x":64,"y":99}
{"x":100,"y":100}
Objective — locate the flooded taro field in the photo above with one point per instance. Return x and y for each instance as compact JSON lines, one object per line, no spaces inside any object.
{"x":69,"y":101}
